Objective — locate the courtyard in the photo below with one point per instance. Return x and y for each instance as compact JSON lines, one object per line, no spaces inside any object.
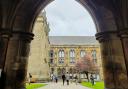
{"x":59,"y":85}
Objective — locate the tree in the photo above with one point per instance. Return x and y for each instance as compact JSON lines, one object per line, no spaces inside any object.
{"x":89,"y":65}
{"x":86,"y":65}
{"x":78,"y":68}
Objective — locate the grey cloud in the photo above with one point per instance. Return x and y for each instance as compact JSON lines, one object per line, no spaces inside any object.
{"x":68,"y":17}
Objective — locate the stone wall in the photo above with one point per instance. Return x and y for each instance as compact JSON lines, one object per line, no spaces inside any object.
{"x":38,"y":59}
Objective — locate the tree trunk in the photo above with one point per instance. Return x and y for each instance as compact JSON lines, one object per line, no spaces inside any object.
{"x":87,"y":76}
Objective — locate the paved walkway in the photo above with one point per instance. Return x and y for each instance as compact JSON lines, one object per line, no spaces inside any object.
{"x":59,"y":85}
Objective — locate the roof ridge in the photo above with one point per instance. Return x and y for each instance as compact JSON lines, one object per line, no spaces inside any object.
{"x":73,"y":40}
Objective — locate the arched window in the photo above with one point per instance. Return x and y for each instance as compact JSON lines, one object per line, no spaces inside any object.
{"x":62,"y":53}
{"x":61,"y":56}
{"x":82,"y":53}
{"x":94,"y":55}
{"x":59,"y":53}
{"x":72,"y":56}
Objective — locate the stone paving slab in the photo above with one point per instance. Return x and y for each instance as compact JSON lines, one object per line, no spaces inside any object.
{"x":59,"y":85}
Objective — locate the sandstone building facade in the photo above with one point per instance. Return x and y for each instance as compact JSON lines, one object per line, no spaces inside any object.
{"x":16,"y":21}
{"x":65,"y":51}
{"x":38,"y":58}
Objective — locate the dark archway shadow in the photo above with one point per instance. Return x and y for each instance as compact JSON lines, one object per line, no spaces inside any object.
{"x":109,"y":18}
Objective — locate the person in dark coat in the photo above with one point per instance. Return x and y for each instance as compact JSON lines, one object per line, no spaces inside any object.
{"x":29,"y":79}
{"x":76,"y":79}
{"x":63,"y":78}
{"x":92,"y":79}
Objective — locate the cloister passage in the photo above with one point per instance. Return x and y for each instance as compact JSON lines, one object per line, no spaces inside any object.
{"x":16,"y":22}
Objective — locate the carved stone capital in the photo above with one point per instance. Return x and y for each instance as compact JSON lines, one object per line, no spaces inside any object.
{"x":5,"y":33}
{"x":106,"y":36}
{"x":19,"y":35}
{"x":123,"y":33}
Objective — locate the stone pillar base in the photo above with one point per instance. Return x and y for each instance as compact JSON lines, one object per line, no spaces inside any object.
{"x":16,"y":60}
{"x":114,"y":66}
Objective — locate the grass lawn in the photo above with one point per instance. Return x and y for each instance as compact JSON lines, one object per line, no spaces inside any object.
{"x":34,"y":85}
{"x":98,"y":85}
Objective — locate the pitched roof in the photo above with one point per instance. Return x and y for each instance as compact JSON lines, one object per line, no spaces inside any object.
{"x":73,"y":40}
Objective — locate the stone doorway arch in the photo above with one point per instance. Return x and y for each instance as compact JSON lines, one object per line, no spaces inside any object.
{"x":16,"y":22}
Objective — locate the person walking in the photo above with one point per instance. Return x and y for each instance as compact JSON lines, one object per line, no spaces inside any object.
{"x":29,"y":79}
{"x":92,"y":79}
{"x":56,"y":78}
{"x":52,"y":77}
{"x":67,"y":78}
{"x":71,"y":77}
{"x":63,"y":78}
{"x":76,"y":79}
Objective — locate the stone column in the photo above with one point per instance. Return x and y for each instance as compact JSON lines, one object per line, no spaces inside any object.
{"x":17,"y":59}
{"x":124,"y":39}
{"x":115,"y":73}
{"x":4,"y":39}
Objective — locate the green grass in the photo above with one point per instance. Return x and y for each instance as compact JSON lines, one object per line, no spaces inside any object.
{"x":98,"y":85}
{"x":34,"y":85}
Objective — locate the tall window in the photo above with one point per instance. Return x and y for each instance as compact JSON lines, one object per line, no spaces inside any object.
{"x":72,"y":56}
{"x":82,"y":53}
{"x":61,"y":56}
{"x":94,"y":55}
{"x":51,"y":56}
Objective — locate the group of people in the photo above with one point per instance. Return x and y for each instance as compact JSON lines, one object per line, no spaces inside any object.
{"x":65,"y":78}
{"x":54,"y":78}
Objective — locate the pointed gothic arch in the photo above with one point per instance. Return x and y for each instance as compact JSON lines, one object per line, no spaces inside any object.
{"x":111,"y":20}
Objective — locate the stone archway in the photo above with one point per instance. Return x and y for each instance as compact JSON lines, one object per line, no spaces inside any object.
{"x":16,"y":23}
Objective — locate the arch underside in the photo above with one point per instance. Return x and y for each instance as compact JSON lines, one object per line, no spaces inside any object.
{"x":99,"y":15}
{"x":24,"y":12}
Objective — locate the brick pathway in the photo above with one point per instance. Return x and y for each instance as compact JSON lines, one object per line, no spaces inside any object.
{"x":60,"y":86}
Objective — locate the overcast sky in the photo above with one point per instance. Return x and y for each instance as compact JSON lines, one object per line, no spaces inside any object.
{"x":69,"y":18}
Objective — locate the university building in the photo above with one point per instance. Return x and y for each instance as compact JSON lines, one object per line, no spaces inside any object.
{"x":16,"y":22}
{"x":58,"y":54}
{"x":65,"y":51}
{"x":38,"y":65}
